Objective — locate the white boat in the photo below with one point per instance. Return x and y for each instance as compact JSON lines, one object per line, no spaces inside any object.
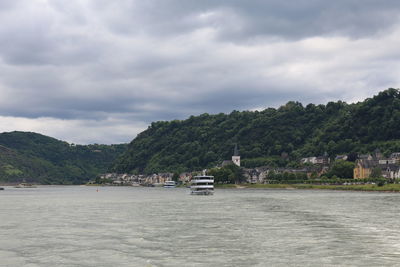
{"x":169,"y":184}
{"x":202,"y":185}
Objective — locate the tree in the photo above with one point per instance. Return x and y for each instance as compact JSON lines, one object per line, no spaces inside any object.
{"x":228,"y":174}
{"x":175,"y":177}
{"x":376,"y":173}
{"x":341,"y":169}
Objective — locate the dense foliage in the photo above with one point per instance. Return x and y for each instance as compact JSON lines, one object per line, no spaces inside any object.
{"x":229,"y":174}
{"x":269,"y":137}
{"x":38,"y":158}
{"x":341,"y":169}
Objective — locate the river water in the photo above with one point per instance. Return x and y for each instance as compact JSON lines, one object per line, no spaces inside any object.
{"x":129,"y":226}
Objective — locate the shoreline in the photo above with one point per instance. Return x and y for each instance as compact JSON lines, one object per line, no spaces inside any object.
{"x":389,"y":188}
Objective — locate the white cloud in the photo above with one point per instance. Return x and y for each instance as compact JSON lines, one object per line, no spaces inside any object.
{"x":75,"y":131}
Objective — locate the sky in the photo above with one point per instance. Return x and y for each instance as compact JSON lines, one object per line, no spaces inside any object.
{"x":100,"y":71}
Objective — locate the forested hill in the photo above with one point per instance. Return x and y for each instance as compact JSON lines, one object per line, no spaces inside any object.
{"x":38,"y":158}
{"x":292,"y":130}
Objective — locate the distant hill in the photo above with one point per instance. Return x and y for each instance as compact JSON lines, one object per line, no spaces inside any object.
{"x":38,"y":158}
{"x":292,"y":131}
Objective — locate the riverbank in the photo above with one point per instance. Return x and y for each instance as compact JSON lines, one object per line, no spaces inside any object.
{"x":365,"y":187}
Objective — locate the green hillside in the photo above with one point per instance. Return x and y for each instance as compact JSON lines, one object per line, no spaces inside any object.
{"x":38,"y":158}
{"x":264,"y":136}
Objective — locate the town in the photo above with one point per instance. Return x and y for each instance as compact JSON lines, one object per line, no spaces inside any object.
{"x":367,"y":167}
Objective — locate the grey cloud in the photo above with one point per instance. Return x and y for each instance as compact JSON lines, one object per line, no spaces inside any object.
{"x":41,"y":36}
{"x":6,"y":5}
{"x":238,"y":20}
{"x":134,"y":62}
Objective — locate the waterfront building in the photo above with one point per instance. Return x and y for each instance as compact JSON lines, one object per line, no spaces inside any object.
{"x":363,"y":169}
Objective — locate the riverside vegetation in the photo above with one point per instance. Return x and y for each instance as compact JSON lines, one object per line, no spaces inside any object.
{"x":352,"y":187}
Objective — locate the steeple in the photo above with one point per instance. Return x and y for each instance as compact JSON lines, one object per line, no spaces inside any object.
{"x":378,"y":154}
{"x":236,"y":157}
{"x":236,"y":151}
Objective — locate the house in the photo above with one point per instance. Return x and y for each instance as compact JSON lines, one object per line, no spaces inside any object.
{"x":391,"y":171}
{"x":256,"y":175}
{"x":341,"y":157}
{"x":389,"y":168}
{"x":386,"y":161}
{"x":395,"y":155}
{"x":363,"y":168}
{"x":185,"y":177}
{"x":312,"y":160}
{"x":323,"y":160}
{"x":365,"y":157}
{"x":378,"y":154}
{"x":164,"y":177}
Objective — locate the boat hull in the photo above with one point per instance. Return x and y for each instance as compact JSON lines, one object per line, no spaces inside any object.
{"x":202,"y":193}
{"x":169,"y":184}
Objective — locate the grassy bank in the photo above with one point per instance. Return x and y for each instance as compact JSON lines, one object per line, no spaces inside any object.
{"x":366,"y":187}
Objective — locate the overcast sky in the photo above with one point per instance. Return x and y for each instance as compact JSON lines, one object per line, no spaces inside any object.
{"x":99,"y":71}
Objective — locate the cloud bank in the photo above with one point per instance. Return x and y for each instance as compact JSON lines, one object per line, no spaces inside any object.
{"x":100,"y":71}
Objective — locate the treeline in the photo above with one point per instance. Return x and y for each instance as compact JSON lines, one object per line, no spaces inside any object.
{"x":37,"y":158}
{"x":276,"y":137}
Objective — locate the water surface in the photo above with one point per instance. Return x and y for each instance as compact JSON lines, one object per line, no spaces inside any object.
{"x":129,"y":226}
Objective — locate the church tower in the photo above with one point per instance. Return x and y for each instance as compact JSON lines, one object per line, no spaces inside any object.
{"x":236,"y":157}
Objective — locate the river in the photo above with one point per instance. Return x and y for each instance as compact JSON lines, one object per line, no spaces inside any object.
{"x":135,"y":226}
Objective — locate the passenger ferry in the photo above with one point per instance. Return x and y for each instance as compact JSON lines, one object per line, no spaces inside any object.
{"x":169,"y":184}
{"x":202,"y":185}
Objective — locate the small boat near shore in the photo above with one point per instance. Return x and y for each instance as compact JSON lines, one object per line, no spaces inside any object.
{"x":1,"y":188}
{"x":202,"y":185}
{"x":25,"y":185}
{"x":170,"y":184}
